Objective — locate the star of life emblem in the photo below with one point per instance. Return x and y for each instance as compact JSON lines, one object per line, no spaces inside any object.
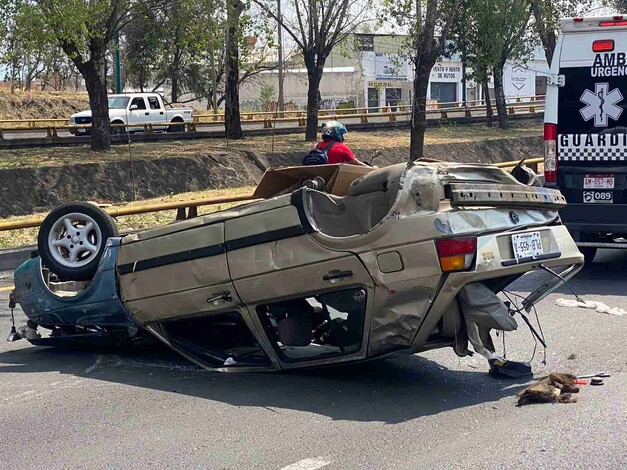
{"x":601,"y":104}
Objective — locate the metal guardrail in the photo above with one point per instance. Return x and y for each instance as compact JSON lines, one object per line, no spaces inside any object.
{"x":268,"y":119}
{"x":431,"y":107}
{"x":182,"y":206}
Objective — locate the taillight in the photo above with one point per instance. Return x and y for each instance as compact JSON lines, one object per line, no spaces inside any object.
{"x":550,"y":153}
{"x":603,"y":45}
{"x":613,"y":23}
{"x":456,"y":254}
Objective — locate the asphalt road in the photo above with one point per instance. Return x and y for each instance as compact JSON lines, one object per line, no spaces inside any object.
{"x":218,"y":127}
{"x":83,"y":409}
{"x":10,"y":134}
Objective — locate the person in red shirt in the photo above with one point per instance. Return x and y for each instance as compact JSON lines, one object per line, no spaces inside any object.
{"x":333,"y":141}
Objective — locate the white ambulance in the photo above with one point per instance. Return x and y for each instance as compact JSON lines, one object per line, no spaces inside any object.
{"x":585,"y":130}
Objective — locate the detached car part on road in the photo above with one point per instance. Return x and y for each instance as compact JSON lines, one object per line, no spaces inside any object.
{"x":410,"y":260}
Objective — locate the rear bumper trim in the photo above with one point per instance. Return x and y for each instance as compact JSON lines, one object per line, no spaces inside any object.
{"x":528,"y":259}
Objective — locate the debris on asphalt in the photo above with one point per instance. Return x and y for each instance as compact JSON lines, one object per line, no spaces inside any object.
{"x":600,"y":307}
{"x":512,"y":369}
{"x":558,"y":387}
{"x":598,"y":374}
{"x":571,"y":357}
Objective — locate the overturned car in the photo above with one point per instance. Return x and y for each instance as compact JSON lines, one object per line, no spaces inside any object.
{"x":411,"y":259}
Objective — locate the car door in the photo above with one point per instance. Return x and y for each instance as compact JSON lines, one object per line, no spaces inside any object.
{"x":175,"y":273}
{"x":157,"y":112}
{"x":138,"y":112}
{"x":292,"y":286}
{"x":174,"y":281}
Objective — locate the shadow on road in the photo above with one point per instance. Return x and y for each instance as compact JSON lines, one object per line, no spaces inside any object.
{"x":604,"y":276}
{"x":389,"y":391}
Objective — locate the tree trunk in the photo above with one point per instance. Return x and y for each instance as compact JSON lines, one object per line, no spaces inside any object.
{"x":232,"y":120}
{"x":488,"y":102}
{"x":419,"y":110}
{"x":174,"y":92}
{"x":499,"y":97}
{"x":94,"y":73}
{"x":313,"y":103}
{"x":547,"y":35}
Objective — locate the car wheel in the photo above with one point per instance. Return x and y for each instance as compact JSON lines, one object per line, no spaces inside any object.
{"x":180,"y":128}
{"x":588,"y":253}
{"x":118,"y":130}
{"x":72,"y":239}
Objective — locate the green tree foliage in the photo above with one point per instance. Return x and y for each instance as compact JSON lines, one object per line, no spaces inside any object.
{"x":267,"y":97}
{"x":194,"y":63}
{"x":429,"y":23}
{"x":491,"y":32}
{"x":317,"y":27}
{"x":84,"y":30}
{"x":546,"y":16}
{"x":619,"y":5}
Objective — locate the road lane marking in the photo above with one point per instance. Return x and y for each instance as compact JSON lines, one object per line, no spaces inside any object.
{"x":308,"y":464}
{"x":95,"y":364}
{"x":5,"y":289}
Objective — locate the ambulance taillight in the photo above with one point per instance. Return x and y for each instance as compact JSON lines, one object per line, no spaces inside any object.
{"x":603,"y":45}
{"x":550,"y":153}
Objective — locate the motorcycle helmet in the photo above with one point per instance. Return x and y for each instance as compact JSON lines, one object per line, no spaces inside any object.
{"x":333,"y":130}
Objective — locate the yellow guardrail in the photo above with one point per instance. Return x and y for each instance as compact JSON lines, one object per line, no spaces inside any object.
{"x":133,"y":210}
{"x":269,"y":119}
{"x":528,"y":161}
{"x":183,"y":205}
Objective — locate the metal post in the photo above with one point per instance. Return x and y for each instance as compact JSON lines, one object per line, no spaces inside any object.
{"x":214,"y":84}
{"x":464,"y":102}
{"x":118,"y":75}
{"x":280,"y":103}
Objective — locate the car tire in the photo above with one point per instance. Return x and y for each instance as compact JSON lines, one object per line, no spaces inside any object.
{"x":118,"y":130}
{"x":72,"y":238}
{"x":179,"y":128}
{"x":588,"y":253}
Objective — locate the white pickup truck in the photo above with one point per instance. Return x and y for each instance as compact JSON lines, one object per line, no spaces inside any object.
{"x":136,"y":108}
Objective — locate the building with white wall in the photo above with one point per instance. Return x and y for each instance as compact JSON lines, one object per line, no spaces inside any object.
{"x":371,"y":70}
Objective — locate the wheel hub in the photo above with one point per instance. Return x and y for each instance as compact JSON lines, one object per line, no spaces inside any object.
{"x":75,"y":239}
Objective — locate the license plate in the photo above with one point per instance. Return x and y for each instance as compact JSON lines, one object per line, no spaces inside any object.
{"x":598,"y":182}
{"x":527,"y":244}
{"x":598,"y":197}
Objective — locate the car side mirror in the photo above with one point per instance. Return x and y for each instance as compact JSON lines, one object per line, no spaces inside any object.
{"x":134,"y":107}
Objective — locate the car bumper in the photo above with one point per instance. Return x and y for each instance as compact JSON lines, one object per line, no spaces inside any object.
{"x":495,"y":259}
{"x":98,"y":305}
{"x":594,"y":219}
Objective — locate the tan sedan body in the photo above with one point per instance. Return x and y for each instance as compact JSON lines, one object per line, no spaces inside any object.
{"x":310,"y":279}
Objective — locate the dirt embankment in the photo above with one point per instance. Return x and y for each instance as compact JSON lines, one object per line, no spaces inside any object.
{"x":30,"y":190}
{"x":41,"y":105}
{"x":487,"y":151}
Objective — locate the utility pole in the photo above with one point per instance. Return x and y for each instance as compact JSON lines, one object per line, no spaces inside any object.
{"x":464,"y":84}
{"x":280,"y":103}
{"x":214,"y":83}
{"x":118,"y":75}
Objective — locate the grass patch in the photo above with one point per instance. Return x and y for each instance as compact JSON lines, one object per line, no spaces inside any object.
{"x":129,"y":223}
{"x":362,"y":143}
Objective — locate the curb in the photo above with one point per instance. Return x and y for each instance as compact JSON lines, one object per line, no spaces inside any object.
{"x":13,"y":257}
